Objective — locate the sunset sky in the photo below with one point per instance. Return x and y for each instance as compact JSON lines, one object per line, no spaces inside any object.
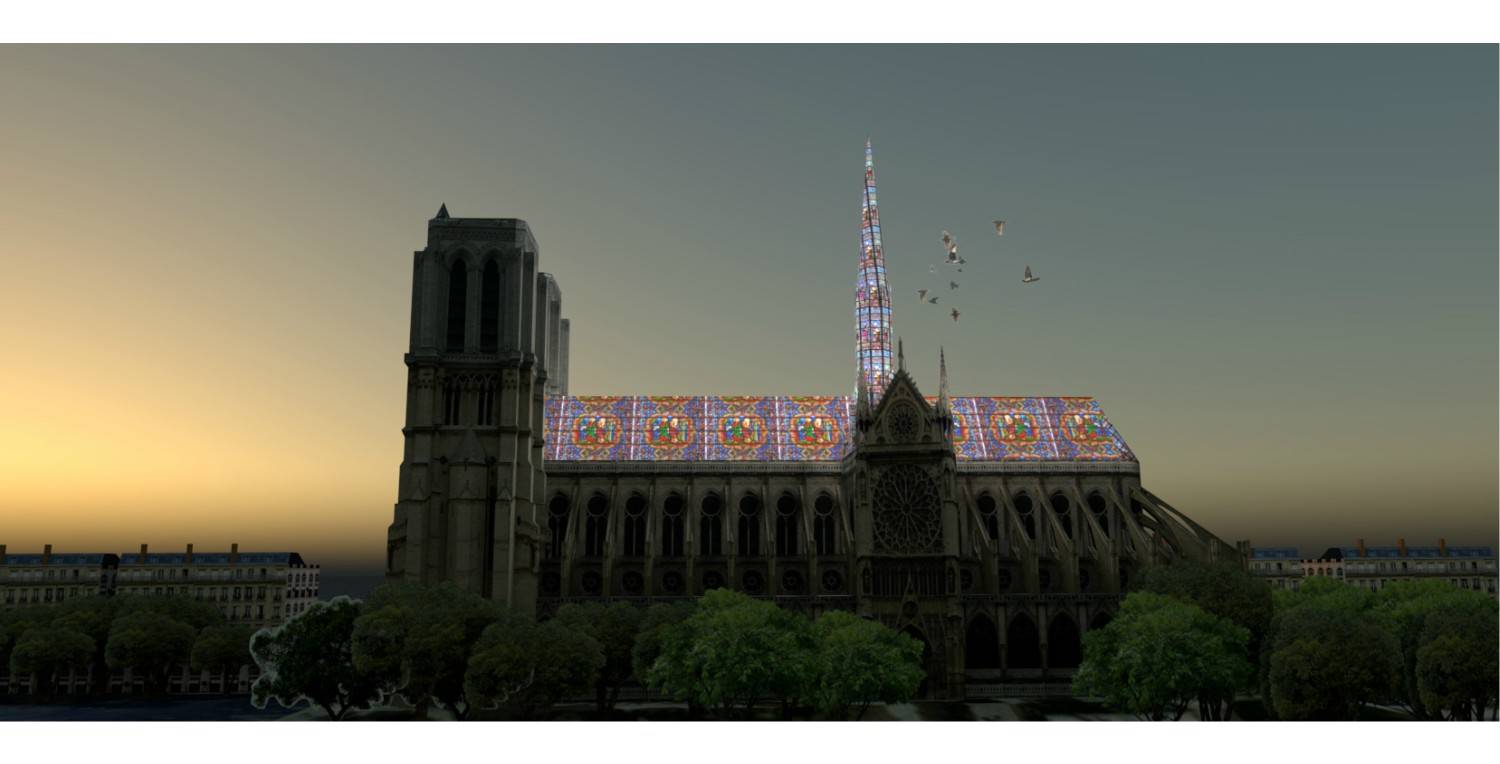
{"x":1275,"y":267}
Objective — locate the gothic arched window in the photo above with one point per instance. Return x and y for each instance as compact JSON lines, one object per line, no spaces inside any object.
{"x":823,"y":525}
{"x":786,"y":526}
{"x":1061,"y":505}
{"x":671,"y":527}
{"x":711,"y":528}
{"x":458,"y":298}
{"x":1100,"y":508}
{"x":595,"y":524}
{"x":635,"y":527}
{"x":489,"y":309}
{"x":989,"y":514}
{"x":749,"y":528}
{"x":1023,"y":508}
{"x":557,"y":523}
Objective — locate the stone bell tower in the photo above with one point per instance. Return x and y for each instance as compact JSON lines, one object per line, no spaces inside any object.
{"x":488,"y":342}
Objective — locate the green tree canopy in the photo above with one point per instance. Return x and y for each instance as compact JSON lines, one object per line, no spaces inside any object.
{"x":1159,"y":654}
{"x":734,"y":652}
{"x":194,"y":613}
{"x":150,"y":644}
{"x":1329,"y":655}
{"x":222,"y":650}
{"x":14,"y":623}
{"x":50,"y":651}
{"x":654,"y":624}
{"x":416,"y":639}
{"x":1457,"y":669}
{"x":1224,"y":589}
{"x":311,"y":658}
{"x":859,"y":661}
{"x":1404,"y":607}
{"x":615,"y":627}
{"x":523,"y":666}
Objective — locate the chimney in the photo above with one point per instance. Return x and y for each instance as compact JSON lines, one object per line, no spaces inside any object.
{"x":1401,"y":544}
{"x":190,"y":554}
{"x":1361,"y":545}
{"x":47,"y":555}
{"x":234,"y":554}
{"x":1442,"y":548}
{"x":143,"y":555}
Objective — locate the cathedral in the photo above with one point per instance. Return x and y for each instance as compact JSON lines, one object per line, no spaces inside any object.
{"x":993,"y":529}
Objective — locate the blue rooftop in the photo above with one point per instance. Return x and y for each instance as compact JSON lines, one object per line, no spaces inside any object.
{"x":57,"y":559}
{"x":213,"y":558}
{"x":1276,"y":553}
{"x":1387,"y":552}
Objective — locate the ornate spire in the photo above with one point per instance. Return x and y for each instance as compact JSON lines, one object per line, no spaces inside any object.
{"x":945,"y":414}
{"x":900,"y":354}
{"x":872,"y":298}
{"x":442,"y":212}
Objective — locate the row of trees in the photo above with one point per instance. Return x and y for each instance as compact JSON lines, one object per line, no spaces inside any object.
{"x":154,"y":637}
{"x":1194,"y":633}
{"x":437,"y":645}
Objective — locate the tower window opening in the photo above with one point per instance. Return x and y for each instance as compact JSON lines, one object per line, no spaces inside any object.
{"x":823,"y":525}
{"x":786,"y":526}
{"x":749,"y":527}
{"x":671,"y":527}
{"x":711,"y":528}
{"x":635,"y":527}
{"x":489,"y":309}
{"x":452,"y":399}
{"x":458,"y":298}
{"x":487,"y":403}
{"x":557,"y":523}
{"x":596,"y":523}
{"x":1061,"y":506}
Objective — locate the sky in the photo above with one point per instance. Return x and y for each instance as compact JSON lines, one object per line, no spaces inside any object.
{"x":1274,"y":266}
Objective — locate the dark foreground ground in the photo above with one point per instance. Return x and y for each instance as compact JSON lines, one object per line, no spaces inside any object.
{"x":238,"y":708}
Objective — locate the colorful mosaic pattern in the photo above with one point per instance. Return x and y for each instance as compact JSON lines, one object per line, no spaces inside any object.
{"x":872,"y":298}
{"x":813,"y":428}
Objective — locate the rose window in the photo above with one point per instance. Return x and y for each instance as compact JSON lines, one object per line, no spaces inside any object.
{"x":907,"y":511}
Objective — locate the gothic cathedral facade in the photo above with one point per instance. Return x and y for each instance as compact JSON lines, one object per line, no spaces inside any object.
{"x":994,"y":529}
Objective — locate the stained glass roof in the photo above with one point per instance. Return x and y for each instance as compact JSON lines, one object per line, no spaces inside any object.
{"x":813,"y":429}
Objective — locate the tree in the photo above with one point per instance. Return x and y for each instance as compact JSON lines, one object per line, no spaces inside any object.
{"x":648,"y":639}
{"x":14,"y":623}
{"x":1328,"y":658}
{"x":1457,"y":671}
{"x":615,"y":627}
{"x":1224,"y":589}
{"x":48,"y":651}
{"x":311,"y":658}
{"x":1405,"y":608}
{"x":222,"y":649}
{"x":859,"y":661}
{"x":417,"y":639}
{"x":523,"y":666}
{"x":734,"y":652}
{"x":151,"y":645}
{"x":93,"y":616}
{"x":1159,"y":654}
{"x":194,"y":613}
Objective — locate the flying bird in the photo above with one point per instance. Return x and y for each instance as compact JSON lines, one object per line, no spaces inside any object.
{"x":955,"y":315}
{"x":947,"y":240}
{"x":1028,"y":278}
{"x":921,"y":295}
{"x":999,"y":227}
{"x":953,"y":285}
{"x":932,"y":301}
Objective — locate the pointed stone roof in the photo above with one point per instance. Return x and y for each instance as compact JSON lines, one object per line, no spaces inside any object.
{"x":442,"y":212}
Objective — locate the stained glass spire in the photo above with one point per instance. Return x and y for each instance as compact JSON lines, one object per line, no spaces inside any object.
{"x":872,"y":298}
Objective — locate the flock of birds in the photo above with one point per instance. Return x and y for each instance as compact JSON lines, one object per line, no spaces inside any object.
{"x":950,"y":246}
